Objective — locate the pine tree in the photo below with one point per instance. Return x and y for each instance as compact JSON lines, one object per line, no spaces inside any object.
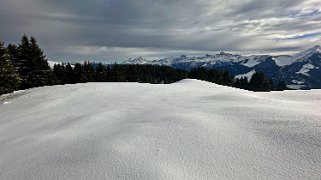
{"x":70,"y":74}
{"x":23,"y":64}
{"x":59,"y":72}
{"x":88,"y":70}
{"x":9,"y":80}
{"x":281,"y":86}
{"x":40,"y":70}
{"x":272,"y":88}
{"x":79,"y":73}
{"x":244,"y":83}
{"x":259,"y":83}
{"x":13,"y":52}
{"x":100,"y":73}
{"x":32,"y":65}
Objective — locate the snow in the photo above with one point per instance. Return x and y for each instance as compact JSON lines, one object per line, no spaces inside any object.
{"x":283,"y":60}
{"x":254,"y":60}
{"x":247,"y":75}
{"x":306,"y":69}
{"x":139,"y":60}
{"x":52,"y":63}
{"x":297,"y":82}
{"x":186,"y":130}
{"x":302,"y":56}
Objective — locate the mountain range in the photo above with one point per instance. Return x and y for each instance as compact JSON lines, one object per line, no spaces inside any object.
{"x":299,"y":71}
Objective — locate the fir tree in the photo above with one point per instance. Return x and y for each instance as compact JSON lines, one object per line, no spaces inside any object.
{"x":23,"y":64}
{"x":272,"y":88}
{"x":79,"y":73}
{"x":13,"y":52}
{"x":40,"y":70}
{"x":70,"y":74}
{"x":31,"y":64}
{"x":244,"y":83}
{"x":100,"y":73}
{"x":281,"y":86}
{"x":89,"y":71}
{"x":9,"y":80}
{"x":59,"y":72}
{"x":258,"y":82}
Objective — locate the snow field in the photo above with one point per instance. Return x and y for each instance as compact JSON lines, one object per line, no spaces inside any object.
{"x":186,"y":130}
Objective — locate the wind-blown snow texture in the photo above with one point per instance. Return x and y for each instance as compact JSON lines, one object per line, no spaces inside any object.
{"x":187,"y":130}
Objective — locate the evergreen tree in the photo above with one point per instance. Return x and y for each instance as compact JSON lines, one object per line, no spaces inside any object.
{"x":100,"y":73}
{"x":244,"y":83}
{"x":79,"y":73}
{"x":271,"y":83}
{"x":40,"y":70}
{"x":258,"y":82}
{"x":9,"y":80}
{"x":89,"y":72}
{"x":281,"y":86}
{"x":31,"y":64}
{"x":70,"y":74}
{"x":23,"y":64}
{"x":13,"y":52}
{"x":59,"y":72}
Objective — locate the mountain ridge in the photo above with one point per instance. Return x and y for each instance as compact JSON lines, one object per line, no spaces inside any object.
{"x":300,"y":71}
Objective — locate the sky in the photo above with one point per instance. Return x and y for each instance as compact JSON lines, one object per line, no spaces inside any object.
{"x":115,"y":30}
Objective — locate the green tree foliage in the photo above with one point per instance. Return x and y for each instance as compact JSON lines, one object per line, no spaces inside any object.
{"x":100,"y":73}
{"x":281,"y":86}
{"x":30,"y":63}
{"x":9,"y":80}
{"x":88,"y":72}
{"x":212,"y":75}
{"x":70,"y":74}
{"x":13,"y":52}
{"x":60,"y":74}
{"x":259,"y":83}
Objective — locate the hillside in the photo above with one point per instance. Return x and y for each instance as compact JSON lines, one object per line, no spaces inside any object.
{"x":187,"y":130}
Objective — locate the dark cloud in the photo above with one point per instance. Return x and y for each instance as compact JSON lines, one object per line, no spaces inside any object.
{"x":107,"y":29}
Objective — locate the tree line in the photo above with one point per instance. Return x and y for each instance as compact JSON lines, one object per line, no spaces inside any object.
{"x":25,"y":66}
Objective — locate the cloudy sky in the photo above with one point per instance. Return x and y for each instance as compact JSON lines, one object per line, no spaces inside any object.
{"x":110,"y":30}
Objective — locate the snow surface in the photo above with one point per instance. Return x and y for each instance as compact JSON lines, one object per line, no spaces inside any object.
{"x":52,"y":63}
{"x":283,"y":60}
{"x":302,"y":56}
{"x":306,"y":69}
{"x":254,"y":60}
{"x":247,"y":75}
{"x":186,"y":130}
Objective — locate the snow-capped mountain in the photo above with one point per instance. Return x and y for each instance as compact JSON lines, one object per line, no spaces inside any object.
{"x":139,"y":60}
{"x":299,"y":71}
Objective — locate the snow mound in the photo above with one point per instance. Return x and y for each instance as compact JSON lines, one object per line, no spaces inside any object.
{"x":186,"y":130}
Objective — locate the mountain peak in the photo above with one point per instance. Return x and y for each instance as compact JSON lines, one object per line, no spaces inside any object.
{"x":138,"y":60}
{"x":307,"y":53}
{"x":316,"y":48}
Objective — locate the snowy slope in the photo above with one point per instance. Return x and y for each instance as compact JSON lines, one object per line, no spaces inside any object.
{"x":247,"y":75}
{"x":301,"y":56}
{"x":52,"y":63}
{"x":187,"y":130}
